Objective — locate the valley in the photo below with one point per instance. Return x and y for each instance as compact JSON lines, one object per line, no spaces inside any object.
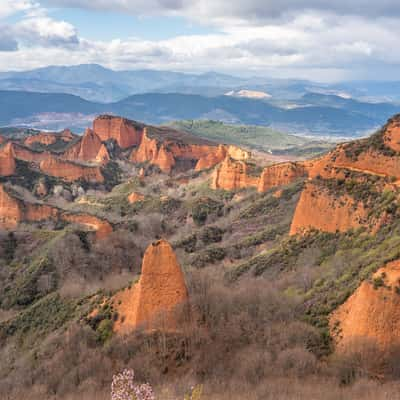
{"x":189,"y":258}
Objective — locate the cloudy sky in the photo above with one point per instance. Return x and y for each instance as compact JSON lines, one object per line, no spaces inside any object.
{"x":315,"y":39}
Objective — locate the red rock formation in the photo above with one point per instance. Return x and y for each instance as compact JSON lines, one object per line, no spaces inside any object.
{"x":10,"y":210}
{"x":321,"y":210}
{"x":165,"y":147}
{"x":48,"y":138}
{"x":232,"y":175}
{"x":89,"y":148}
{"x":43,"y":138}
{"x":391,"y":136}
{"x":70,"y":171}
{"x":102,"y":156}
{"x":238,"y":153}
{"x":372,"y":314}
{"x":7,"y":160}
{"x":13,"y":211}
{"x":153,"y":301}
{"x":125,"y":132}
{"x":280,"y":174}
{"x":212,"y":159}
{"x":67,"y":135}
{"x":39,"y":212}
{"x":2,"y":139}
{"x":218,"y":154}
{"x":135,"y":197}
{"x":26,"y":154}
{"x":102,"y":227}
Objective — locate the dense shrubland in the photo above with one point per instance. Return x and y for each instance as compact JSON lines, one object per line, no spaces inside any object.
{"x":259,"y":300}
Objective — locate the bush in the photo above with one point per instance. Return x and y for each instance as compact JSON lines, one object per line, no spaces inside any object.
{"x":211,"y":234}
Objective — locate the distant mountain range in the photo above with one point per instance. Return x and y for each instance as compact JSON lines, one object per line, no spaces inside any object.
{"x":96,"y":83}
{"x":313,"y":114}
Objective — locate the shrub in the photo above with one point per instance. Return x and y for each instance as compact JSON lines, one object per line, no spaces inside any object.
{"x":211,"y":234}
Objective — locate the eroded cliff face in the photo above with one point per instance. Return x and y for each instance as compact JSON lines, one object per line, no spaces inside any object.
{"x":212,"y":159}
{"x":154,"y":152}
{"x":369,"y":166}
{"x":48,"y":138}
{"x":26,"y":154}
{"x":165,"y":149}
{"x":42,"y":138}
{"x":7,"y":160}
{"x":329,"y":212}
{"x":371,"y":316}
{"x":13,"y":211}
{"x":280,"y":175}
{"x":154,"y":301}
{"x":233,"y":175}
{"x":102,"y":227}
{"x":10,"y":210}
{"x":391,"y":136}
{"x":70,"y":171}
{"x":89,"y":149}
{"x":125,"y":132}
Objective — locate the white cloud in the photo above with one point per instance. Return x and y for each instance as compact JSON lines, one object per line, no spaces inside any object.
{"x":248,"y":10}
{"x":45,"y":31}
{"x":308,"y":43}
{"x":10,"y":7}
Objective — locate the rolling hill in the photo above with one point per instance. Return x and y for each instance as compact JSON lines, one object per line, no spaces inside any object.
{"x":41,"y":110}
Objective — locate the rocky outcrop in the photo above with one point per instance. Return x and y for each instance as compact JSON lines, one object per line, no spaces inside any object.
{"x":2,"y":139}
{"x":150,"y":150}
{"x":212,"y":159}
{"x":11,"y":212}
{"x":102,"y":227}
{"x":102,"y":157}
{"x":321,"y":210}
{"x":238,"y":153}
{"x":165,"y":148}
{"x":218,"y":154}
{"x":44,"y":138}
{"x":391,"y":135}
{"x":154,"y":301}
{"x":25,"y":154}
{"x":7,"y":160}
{"x":89,"y":149}
{"x":233,"y":175}
{"x":70,"y":171}
{"x":280,"y":175}
{"x":66,"y":135}
{"x":49,"y":138}
{"x":371,"y":316}
{"x":135,"y":197}
{"x":125,"y":132}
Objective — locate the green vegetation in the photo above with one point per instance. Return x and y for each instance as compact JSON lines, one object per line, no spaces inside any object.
{"x":203,"y":208}
{"x":335,"y":265}
{"x":257,"y":137}
{"x":40,"y":319}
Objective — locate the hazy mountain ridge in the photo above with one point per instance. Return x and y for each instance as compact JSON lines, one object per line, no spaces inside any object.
{"x":351,"y":119}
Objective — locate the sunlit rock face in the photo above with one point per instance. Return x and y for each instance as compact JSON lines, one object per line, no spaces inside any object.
{"x":154,"y":302}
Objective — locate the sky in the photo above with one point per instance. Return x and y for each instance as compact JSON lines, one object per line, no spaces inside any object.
{"x":325,"y":40}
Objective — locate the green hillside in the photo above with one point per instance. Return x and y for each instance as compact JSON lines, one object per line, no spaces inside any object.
{"x":256,"y":137}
